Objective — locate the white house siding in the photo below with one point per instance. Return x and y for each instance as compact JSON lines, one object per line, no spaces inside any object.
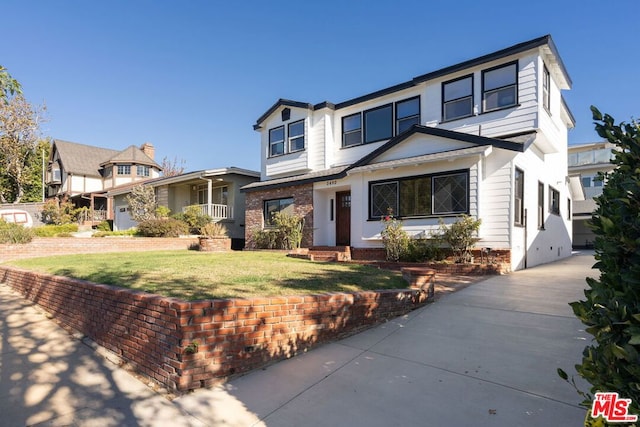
{"x":315,"y":141}
{"x":83,"y":184}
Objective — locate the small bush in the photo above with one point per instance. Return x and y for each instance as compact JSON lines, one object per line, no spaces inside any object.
{"x":60,"y":212}
{"x":461,"y":237}
{"x":193,"y":216}
{"x":168,"y":227}
{"x":213,"y":229}
{"x":421,"y":250}
{"x":289,"y":229}
{"x":55,"y":230}
{"x":14,"y":233}
{"x":266,"y":239}
{"x":130,"y":232}
{"x":104,"y":226}
{"x":394,"y":238}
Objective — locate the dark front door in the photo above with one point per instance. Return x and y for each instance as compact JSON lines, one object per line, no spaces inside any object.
{"x":343,"y":218}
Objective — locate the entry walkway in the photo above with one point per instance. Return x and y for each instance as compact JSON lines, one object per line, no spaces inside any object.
{"x":485,"y":356}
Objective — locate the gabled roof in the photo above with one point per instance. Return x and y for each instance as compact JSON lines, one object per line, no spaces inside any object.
{"x":81,"y":159}
{"x":545,"y":43}
{"x":342,"y":171}
{"x":131,"y":154}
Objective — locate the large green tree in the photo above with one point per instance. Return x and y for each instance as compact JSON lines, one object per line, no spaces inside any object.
{"x":611,"y":310}
{"x":20,"y":153}
{"x":8,"y":85}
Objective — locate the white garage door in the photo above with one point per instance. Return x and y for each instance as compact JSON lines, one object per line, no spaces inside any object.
{"x":123,"y":220}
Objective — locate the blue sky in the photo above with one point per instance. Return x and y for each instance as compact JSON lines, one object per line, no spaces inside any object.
{"x":193,"y":76}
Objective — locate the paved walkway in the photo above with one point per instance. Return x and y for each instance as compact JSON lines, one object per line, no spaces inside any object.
{"x":485,"y":356}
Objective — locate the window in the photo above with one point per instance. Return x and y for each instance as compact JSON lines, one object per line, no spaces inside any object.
{"x":554,"y":201}
{"x":271,"y":207}
{"x":219,"y":195}
{"x":142,"y":170}
{"x":568,"y":208}
{"x":540,"y":206}
{"x":546,"y":89}
{"x":108,"y":171}
{"x":352,"y":130}
{"x":499,"y":87}
{"x":276,"y":141}
{"x":124,"y":169}
{"x":407,"y":114}
{"x":420,"y":196}
{"x":586,"y":181}
{"x":296,"y":136}
{"x":518,"y":218}
{"x":378,"y":124}
{"x":457,"y":98}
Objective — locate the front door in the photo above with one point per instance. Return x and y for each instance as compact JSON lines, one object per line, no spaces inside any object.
{"x":343,"y":218}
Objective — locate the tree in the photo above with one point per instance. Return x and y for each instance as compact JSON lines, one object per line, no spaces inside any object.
{"x":8,"y":85}
{"x":611,"y":309}
{"x":142,"y":203}
{"x":172,"y":167}
{"x":19,"y":136}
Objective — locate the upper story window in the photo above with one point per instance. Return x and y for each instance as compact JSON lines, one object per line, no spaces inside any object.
{"x":378,"y":124}
{"x":296,"y":136}
{"x":546,"y":89}
{"x":407,"y":114}
{"x":276,"y":141}
{"x":124,"y":169}
{"x":352,"y":130}
{"x":142,"y":170}
{"x":500,"y":87}
{"x":457,"y":98}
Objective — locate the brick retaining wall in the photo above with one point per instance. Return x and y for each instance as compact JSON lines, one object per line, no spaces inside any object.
{"x":47,"y":246}
{"x":188,"y":345}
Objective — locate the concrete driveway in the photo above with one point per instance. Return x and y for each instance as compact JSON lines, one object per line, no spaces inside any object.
{"x":484,"y":356}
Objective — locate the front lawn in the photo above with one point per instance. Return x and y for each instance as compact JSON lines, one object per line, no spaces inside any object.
{"x":194,"y":275}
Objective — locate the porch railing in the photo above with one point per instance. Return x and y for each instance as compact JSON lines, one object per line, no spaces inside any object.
{"x":215,"y":211}
{"x":92,"y":216}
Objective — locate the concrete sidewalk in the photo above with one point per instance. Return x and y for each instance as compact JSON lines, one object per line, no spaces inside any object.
{"x":485,"y":356}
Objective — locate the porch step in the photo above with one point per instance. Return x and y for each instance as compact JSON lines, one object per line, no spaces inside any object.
{"x":324,"y":253}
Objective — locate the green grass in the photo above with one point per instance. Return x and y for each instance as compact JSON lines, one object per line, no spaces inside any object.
{"x":194,"y":275}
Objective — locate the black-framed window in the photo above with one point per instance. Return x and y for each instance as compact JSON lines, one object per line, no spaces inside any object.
{"x":276,"y":141}
{"x":407,"y":114}
{"x":352,"y":130}
{"x":500,"y":87}
{"x":124,"y":169}
{"x":457,"y":98}
{"x":568,"y":208}
{"x":271,"y":207}
{"x":420,"y":196}
{"x":540,"y":205}
{"x":296,"y":136}
{"x":378,"y":123}
{"x":143,"y":170}
{"x":554,"y":201}
{"x":518,"y":217}
{"x":546,"y":89}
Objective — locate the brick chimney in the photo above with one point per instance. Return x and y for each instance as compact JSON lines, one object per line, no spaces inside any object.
{"x":148,"y":149}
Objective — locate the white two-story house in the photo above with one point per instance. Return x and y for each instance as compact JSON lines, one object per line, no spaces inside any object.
{"x":486,"y":137}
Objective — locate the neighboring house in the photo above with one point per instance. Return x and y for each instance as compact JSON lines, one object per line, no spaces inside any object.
{"x":82,"y":173}
{"x":216,"y":192}
{"x":486,"y":137}
{"x":585,"y":161}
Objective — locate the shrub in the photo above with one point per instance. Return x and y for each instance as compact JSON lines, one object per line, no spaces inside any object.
{"x":289,"y":229}
{"x":52,"y":230}
{"x":265,"y":239}
{"x":59,"y":212}
{"x":142,"y":203}
{"x":611,"y":310}
{"x":14,"y":233}
{"x":421,"y":250}
{"x":129,"y":232}
{"x":213,"y":229}
{"x":168,"y":227}
{"x":162,"y":212}
{"x":394,"y":238}
{"x":104,"y":226}
{"x":194,"y":217}
{"x":461,"y":236}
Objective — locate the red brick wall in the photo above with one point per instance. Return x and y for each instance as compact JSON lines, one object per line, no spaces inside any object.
{"x":41,"y":246}
{"x":303,"y":206}
{"x":154,"y":334}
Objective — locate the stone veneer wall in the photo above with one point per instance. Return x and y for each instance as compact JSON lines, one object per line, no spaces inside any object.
{"x":187,"y":345}
{"x":303,"y":206}
{"x":47,"y":246}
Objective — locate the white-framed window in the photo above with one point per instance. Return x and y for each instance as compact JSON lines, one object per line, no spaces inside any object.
{"x":276,"y":141}
{"x":500,"y":87}
{"x":457,"y":98}
{"x":420,"y":196}
{"x":124,"y":169}
{"x":546,"y":89}
{"x":296,"y":136}
{"x":271,"y":207}
{"x":518,"y":182}
{"x":554,"y":201}
{"x":407,"y":114}
{"x":142,"y":170}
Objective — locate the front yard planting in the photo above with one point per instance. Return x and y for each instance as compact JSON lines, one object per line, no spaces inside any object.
{"x":191,"y":275}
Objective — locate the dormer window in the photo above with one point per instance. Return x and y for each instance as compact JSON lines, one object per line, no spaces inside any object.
{"x":142,"y":170}
{"x":500,"y":87}
{"x":124,"y":169}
